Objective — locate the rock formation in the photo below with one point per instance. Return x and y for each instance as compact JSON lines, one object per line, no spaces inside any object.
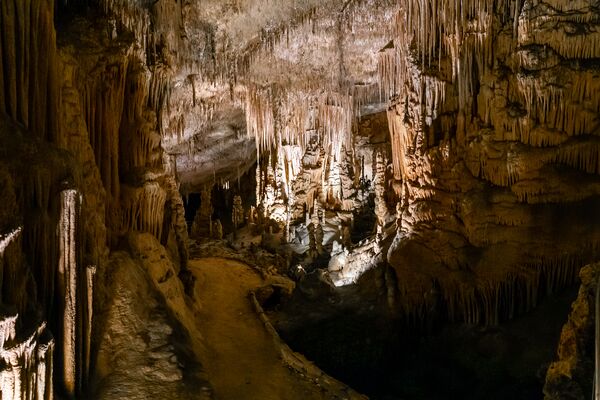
{"x":81,"y":164}
{"x":237,"y":215}
{"x":202,"y":225}
{"x":27,"y":354}
{"x":484,"y":153}
{"x":571,"y":375}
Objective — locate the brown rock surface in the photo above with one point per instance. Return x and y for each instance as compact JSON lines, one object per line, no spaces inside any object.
{"x":571,"y":375}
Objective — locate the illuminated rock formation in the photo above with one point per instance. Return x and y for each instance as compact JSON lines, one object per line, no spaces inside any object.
{"x":67,"y":276}
{"x":27,"y":353}
{"x":488,"y":127}
{"x":27,"y":362}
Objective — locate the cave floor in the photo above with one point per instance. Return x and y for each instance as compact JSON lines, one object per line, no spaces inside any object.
{"x":241,"y":359}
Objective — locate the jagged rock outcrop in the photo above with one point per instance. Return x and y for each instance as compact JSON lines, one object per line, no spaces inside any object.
{"x":571,"y":375}
{"x":144,"y":351}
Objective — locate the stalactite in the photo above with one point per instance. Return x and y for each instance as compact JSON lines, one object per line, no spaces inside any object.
{"x":158,"y":95}
{"x":134,"y":17}
{"x":364,"y":94}
{"x":280,"y":123}
{"x":103,"y":104}
{"x":288,"y":126}
{"x":236,"y":65}
{"x":28,"y":79}
{"x":564,"y":39}
{"x":387,"y":73}
{"x":27,"y":363}
{"x":335,"y":116}
{"x":260,"y":119}
{"x":138,"y":140}
{"x":514,"y":290}
{"x":143,"y":208}
{"x":461,"y":32}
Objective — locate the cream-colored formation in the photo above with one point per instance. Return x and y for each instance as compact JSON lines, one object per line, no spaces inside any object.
{"x":28,"y":364}
{"x":67,"y":275}
{"x":27,"y":357}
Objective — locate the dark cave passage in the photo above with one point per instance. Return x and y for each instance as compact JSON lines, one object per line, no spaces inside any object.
{"x":222,"y":200}
{"x":388,"y":359}
{"x":191,"y":203}
{"x":365,"y":221}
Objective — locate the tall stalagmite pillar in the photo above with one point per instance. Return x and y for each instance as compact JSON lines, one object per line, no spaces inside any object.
{"x":90,"y":273}
{"x":67,"y":275}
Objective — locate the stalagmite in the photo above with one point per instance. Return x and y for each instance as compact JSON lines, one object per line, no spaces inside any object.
{"x":237,"y":215}
{"x":67,"y":273}
{"x":217,"y":230}
{"x":381,"y":210}
{"x":319,"y":238}
{"x":90,"y":272}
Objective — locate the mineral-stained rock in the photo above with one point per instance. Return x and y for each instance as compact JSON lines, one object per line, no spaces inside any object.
{"x":571,"y":375}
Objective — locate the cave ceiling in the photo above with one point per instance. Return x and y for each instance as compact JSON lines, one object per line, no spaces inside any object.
{"x":294,"y":50}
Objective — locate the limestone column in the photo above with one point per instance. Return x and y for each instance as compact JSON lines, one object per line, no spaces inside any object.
{"x":8,"y":384}
{"x":90,"y":273}
{"x":67,"y":275}
{"x":381,"y":210}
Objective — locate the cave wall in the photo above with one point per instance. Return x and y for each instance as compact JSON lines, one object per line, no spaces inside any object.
{"x":571,"y":374}
{"x":493,"y":124}
{"x":82,"y":97}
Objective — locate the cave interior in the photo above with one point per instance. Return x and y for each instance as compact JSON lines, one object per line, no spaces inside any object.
{"x":299,"y":199}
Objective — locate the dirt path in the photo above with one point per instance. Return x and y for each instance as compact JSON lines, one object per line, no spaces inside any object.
{"x":241,"y":360}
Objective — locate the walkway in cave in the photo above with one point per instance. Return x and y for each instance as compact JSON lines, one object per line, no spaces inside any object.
{"x":241,"y":359}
